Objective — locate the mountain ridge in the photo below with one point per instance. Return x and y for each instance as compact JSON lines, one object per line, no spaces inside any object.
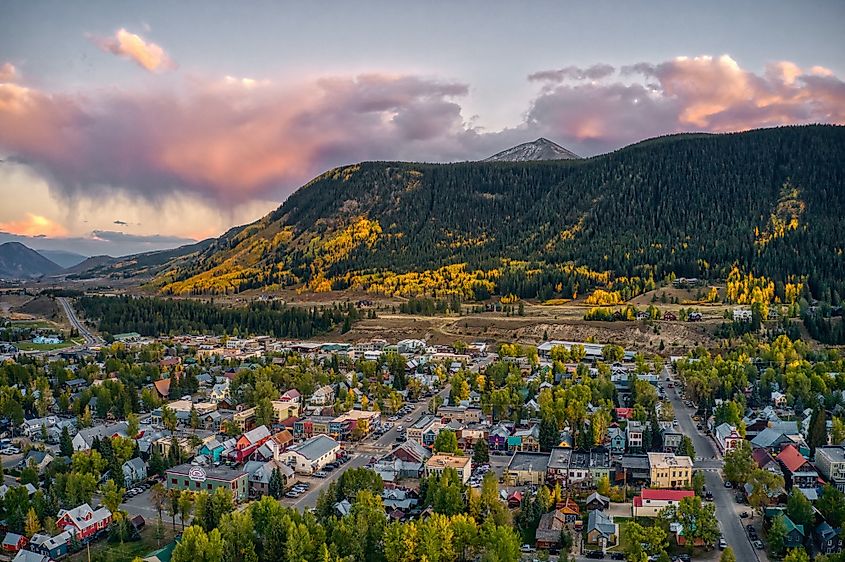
{"x":18,"y":261}
{"x":687,"y":204}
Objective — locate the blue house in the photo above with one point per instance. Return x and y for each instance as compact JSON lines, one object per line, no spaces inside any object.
{"x":617,"y":440}
{"x":54,"y":547}
{"x":214,"y":449}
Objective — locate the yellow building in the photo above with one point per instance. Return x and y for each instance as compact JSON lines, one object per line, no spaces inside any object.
{"x":669,"y":471}
{"x":438,"y":463}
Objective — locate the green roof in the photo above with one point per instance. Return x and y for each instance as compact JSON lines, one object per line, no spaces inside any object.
{"x":163,"y":554}
{"x":790,"y":525}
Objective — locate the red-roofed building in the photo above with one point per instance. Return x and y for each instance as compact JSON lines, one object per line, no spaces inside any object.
{"x":652,"y":501}
{"x":797,"y":470}
{"x":624,"y":413}
{"x":162,"y":386}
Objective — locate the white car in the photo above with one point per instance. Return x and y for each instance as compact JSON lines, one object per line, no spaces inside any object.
{"x":10,"y":451}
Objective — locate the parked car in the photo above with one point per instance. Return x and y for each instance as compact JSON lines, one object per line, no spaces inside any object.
{"x":744,"y":515}
{"x":728,"y":484}
{"x":758,"y":544}
{"x":595,"y":554}
{"x":320,"y":474}
{"x":723,"y":544}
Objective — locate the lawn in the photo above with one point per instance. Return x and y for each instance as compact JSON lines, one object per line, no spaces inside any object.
{"x":29,"y":346}
{"x":623,"y":543}
{"x":105,"y":551}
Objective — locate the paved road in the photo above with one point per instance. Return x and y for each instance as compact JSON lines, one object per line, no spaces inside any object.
{"x":727,"y":510}
{"x":90,"y":337}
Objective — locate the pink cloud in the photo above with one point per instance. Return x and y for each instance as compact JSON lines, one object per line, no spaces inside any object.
{"x":8,"y":72}
{"x":234,"y":140}
{"x":34,"y":225}
{"x":147,"y":55}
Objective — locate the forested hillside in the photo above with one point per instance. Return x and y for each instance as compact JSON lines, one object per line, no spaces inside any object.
{"x":768,"y":202}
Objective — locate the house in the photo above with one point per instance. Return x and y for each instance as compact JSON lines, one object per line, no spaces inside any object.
{"x":40,"y":459}
{"x":794,"y":533}
{"x":527,"y":468}
{"x":407,"y":460}
{"x":634,"y":432}
{"x":249,"y":442}
{"x":779,"y":399}
{"x":569,"y":510}
{"x":216,"y":450}
{"x":82,"y":521}
{"x":13,"y":542}
{"x":601,"y":529}
{"x":549,"y":530}
{"x":311,"y":455}
{"x":767,"y":462}
{"x":291,"y":395}
{"x":827,"y":539}
{"x":54,"y":547}
{"x":497,"y":438}
{"x":438,"y":463}
{"x":666,"y":470}
{"x":220,"y":392}
{"x":617,"y":440}
{"x":798,"y":470}
{"x":742,"y":315}
{"x":134,"y":470}
{"x":259,"y":475}
{"x":650,"y":502}
{"x":162,"y":388}
{"x":82,"y":441}
{"x":596,"y":502}
{"x":322,"y":396}
{"x":830,"y":462}
{"x":727,"y":437}
{"x":30,"y":556}
{"x":526,"y":439}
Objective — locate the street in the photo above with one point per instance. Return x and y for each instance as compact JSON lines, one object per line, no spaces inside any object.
{"x":90,"y":337}
{"x":727,"y":510}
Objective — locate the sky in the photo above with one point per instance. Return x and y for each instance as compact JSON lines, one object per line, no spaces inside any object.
{"x":135,"y":126}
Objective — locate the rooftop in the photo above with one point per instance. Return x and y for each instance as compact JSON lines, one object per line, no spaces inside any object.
{"x":668,"y":460}
{"x":447,"y":461}
{"x":533,"y":462}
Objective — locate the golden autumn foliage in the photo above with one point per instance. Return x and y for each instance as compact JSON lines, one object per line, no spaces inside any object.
{"x":604,"y":298}
{"x":784,"y":218}
{"x":446,"y":281}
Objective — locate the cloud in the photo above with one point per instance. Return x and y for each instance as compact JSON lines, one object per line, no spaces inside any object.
{"x":147,"y":55}
{"x":8,"y":72}
{"x":34,"y":225}
{"x":594,"y":72}
{"x":230,"y":142}
{"x":158,"y":239}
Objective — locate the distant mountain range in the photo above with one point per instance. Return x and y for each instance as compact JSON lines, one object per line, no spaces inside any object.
{"x":63,"y":258}
{"x":767,"y":202}
{"x":18,"y":261}
{"x":540,"y":149}
{"x":21,"y":262}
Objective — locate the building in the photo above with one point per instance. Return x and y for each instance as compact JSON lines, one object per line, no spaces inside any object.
{"x":666,"y":470}
{"x":323,"y":396}
{"x":260,"y":473}
{"x":558,"y":466}
{"x":196,"y":478}
{"x":727,"y":437}
{"x":601,"y":529}
{"x":794,"y":533}
{"x":82,"y":521}
{"x":30,"y":556}
{"x":312,"y":455}
{"x":438,"y":463}
{"x":634,"y":433}
{"x":650,"y":502}
{"x":830,"y":462}
{"x":13,"y":542}
{"x":617,"y":440}
{"x":82,"y":441}
{"x":134,"y":470}
{"x":424,"y":431}
{"x":549,"y":530}
{"x":54,"y":547}
{"x":249,"y":442}
{"x":798,"y":470}
{"x":527,"y":468}
{"x":827,"y":539}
